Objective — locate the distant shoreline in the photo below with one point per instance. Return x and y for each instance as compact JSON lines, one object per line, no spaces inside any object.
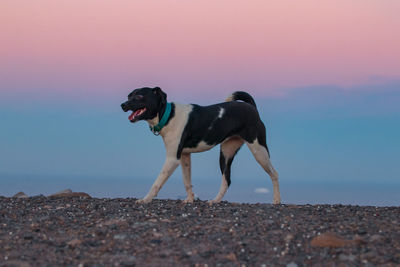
{"x":83,"y":195}
{"x":242,"y":190}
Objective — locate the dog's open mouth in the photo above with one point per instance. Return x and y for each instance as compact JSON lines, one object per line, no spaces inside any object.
{"x":135,"y":114}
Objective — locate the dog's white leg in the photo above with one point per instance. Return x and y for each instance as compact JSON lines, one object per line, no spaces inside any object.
{"x":171,"y":163}
{"x":221,"y":193}
{"x":187,"y":178}
{"x":261,"y":155}
{"x":228,"y":152}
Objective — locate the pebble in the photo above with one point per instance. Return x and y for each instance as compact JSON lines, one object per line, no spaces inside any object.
{"x":120,"y":237}
{"x":344,"y":257}
{"x":70,"y":193}
{"x":375,"y":238}
{"x":20,"y":195}
{"x":329,"y":240}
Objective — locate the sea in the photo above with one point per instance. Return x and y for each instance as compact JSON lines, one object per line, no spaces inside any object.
{"x":242,"y":189}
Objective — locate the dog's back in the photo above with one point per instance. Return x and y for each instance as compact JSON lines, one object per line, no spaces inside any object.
{"x":215,"y":123}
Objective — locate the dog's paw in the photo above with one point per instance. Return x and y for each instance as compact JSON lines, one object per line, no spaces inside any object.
{"x":188,"y":201}
{"x":214,"y":201}
{"x":277,"y":201}
{"x":143,"y":201}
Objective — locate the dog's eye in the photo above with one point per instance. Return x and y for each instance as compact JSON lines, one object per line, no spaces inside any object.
{"x":138,"y":97}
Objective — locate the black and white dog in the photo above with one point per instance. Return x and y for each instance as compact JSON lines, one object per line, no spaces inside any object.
{"x":187,"y":129}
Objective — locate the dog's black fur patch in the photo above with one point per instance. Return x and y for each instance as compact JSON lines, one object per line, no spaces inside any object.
{"x":238,"y":119}
{"x":226,"y":166}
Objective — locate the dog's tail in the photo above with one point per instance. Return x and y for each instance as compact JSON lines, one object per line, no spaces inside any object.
{"x":243,"y":96}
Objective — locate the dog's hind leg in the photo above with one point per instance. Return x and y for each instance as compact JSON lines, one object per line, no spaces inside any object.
{"x":229,"y":148}
{"x":261,"y":154}
{"x":187,"y":178}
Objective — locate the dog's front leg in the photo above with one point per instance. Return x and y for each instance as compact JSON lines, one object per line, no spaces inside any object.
{"x":187,"y":180}
{"x":171,"y":163}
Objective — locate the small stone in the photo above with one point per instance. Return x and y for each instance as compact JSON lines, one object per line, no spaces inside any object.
{"x":368,"y":255}
{"x":329,"y":240}
{"x":20,"y":195}
{"x":344,"y":257}
{"x":69,"y":193}
{"x":292,"y":264}
{"x":74,"y":243}
{"x":17,"y":263}
{"x":289,"y":237}
{"x":375,"y":238}
{"x":231,"y":257}
{"x":129,"y":261}
{"x":112,"y":222}
{"x":361,"y":231}
{"x":157,"y":235}
{"x":65,"y":191}
{"x":28,"y":236}
{"x":120,"y":237}
{"x":359,"y":240}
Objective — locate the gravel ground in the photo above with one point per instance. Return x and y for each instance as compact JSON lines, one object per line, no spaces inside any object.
{"x":78,"y":231}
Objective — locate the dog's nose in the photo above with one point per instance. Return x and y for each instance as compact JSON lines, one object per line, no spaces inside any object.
{"x":123,"y":106}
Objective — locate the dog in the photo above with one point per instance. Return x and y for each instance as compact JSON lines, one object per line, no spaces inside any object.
{"x":191,"y":128}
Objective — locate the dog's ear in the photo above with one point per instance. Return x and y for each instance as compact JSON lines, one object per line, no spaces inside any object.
{"x":160,"y":93}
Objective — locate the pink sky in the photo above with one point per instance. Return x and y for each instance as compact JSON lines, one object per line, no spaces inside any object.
{"x":266,"y":47}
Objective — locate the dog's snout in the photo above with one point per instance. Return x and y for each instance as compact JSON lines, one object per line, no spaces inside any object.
{"x":123,"y":106}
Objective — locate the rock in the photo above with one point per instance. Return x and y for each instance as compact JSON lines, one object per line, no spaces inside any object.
{"x":74,"y":243}
{"x":375,"y":238}
{"x":231,"y":257}
{"x":359,"y":240}
{"x":112,"y":222}
{"x":69,"y":193}
{"x":369,"y":255}
{"x":361,"y":231}
{"x":129,"y":261}
{"x":157,"y":235}
{"x":20,"y":195}
{"x":329,"y":240}
{"x":288,"y":238}
{"x":65,"y":191}
{"x":292,"y":264}
{"x":16,"y":263}
{"x":28,"y":236}
{"x":120,"y":237}
{"x":344,"y":257}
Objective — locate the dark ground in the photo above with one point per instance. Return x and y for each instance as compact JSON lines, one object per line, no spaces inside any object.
{"x":43,"y":231}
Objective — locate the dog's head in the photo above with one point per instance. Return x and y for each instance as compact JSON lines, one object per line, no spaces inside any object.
{"x":145,"y":103}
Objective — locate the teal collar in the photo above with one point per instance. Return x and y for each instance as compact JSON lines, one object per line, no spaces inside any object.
{"x":157,"y":129}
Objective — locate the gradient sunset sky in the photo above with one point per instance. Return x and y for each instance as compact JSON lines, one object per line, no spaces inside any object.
{"x":325,"y":74}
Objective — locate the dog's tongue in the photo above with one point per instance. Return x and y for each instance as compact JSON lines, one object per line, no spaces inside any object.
{"x":134,"y":114}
